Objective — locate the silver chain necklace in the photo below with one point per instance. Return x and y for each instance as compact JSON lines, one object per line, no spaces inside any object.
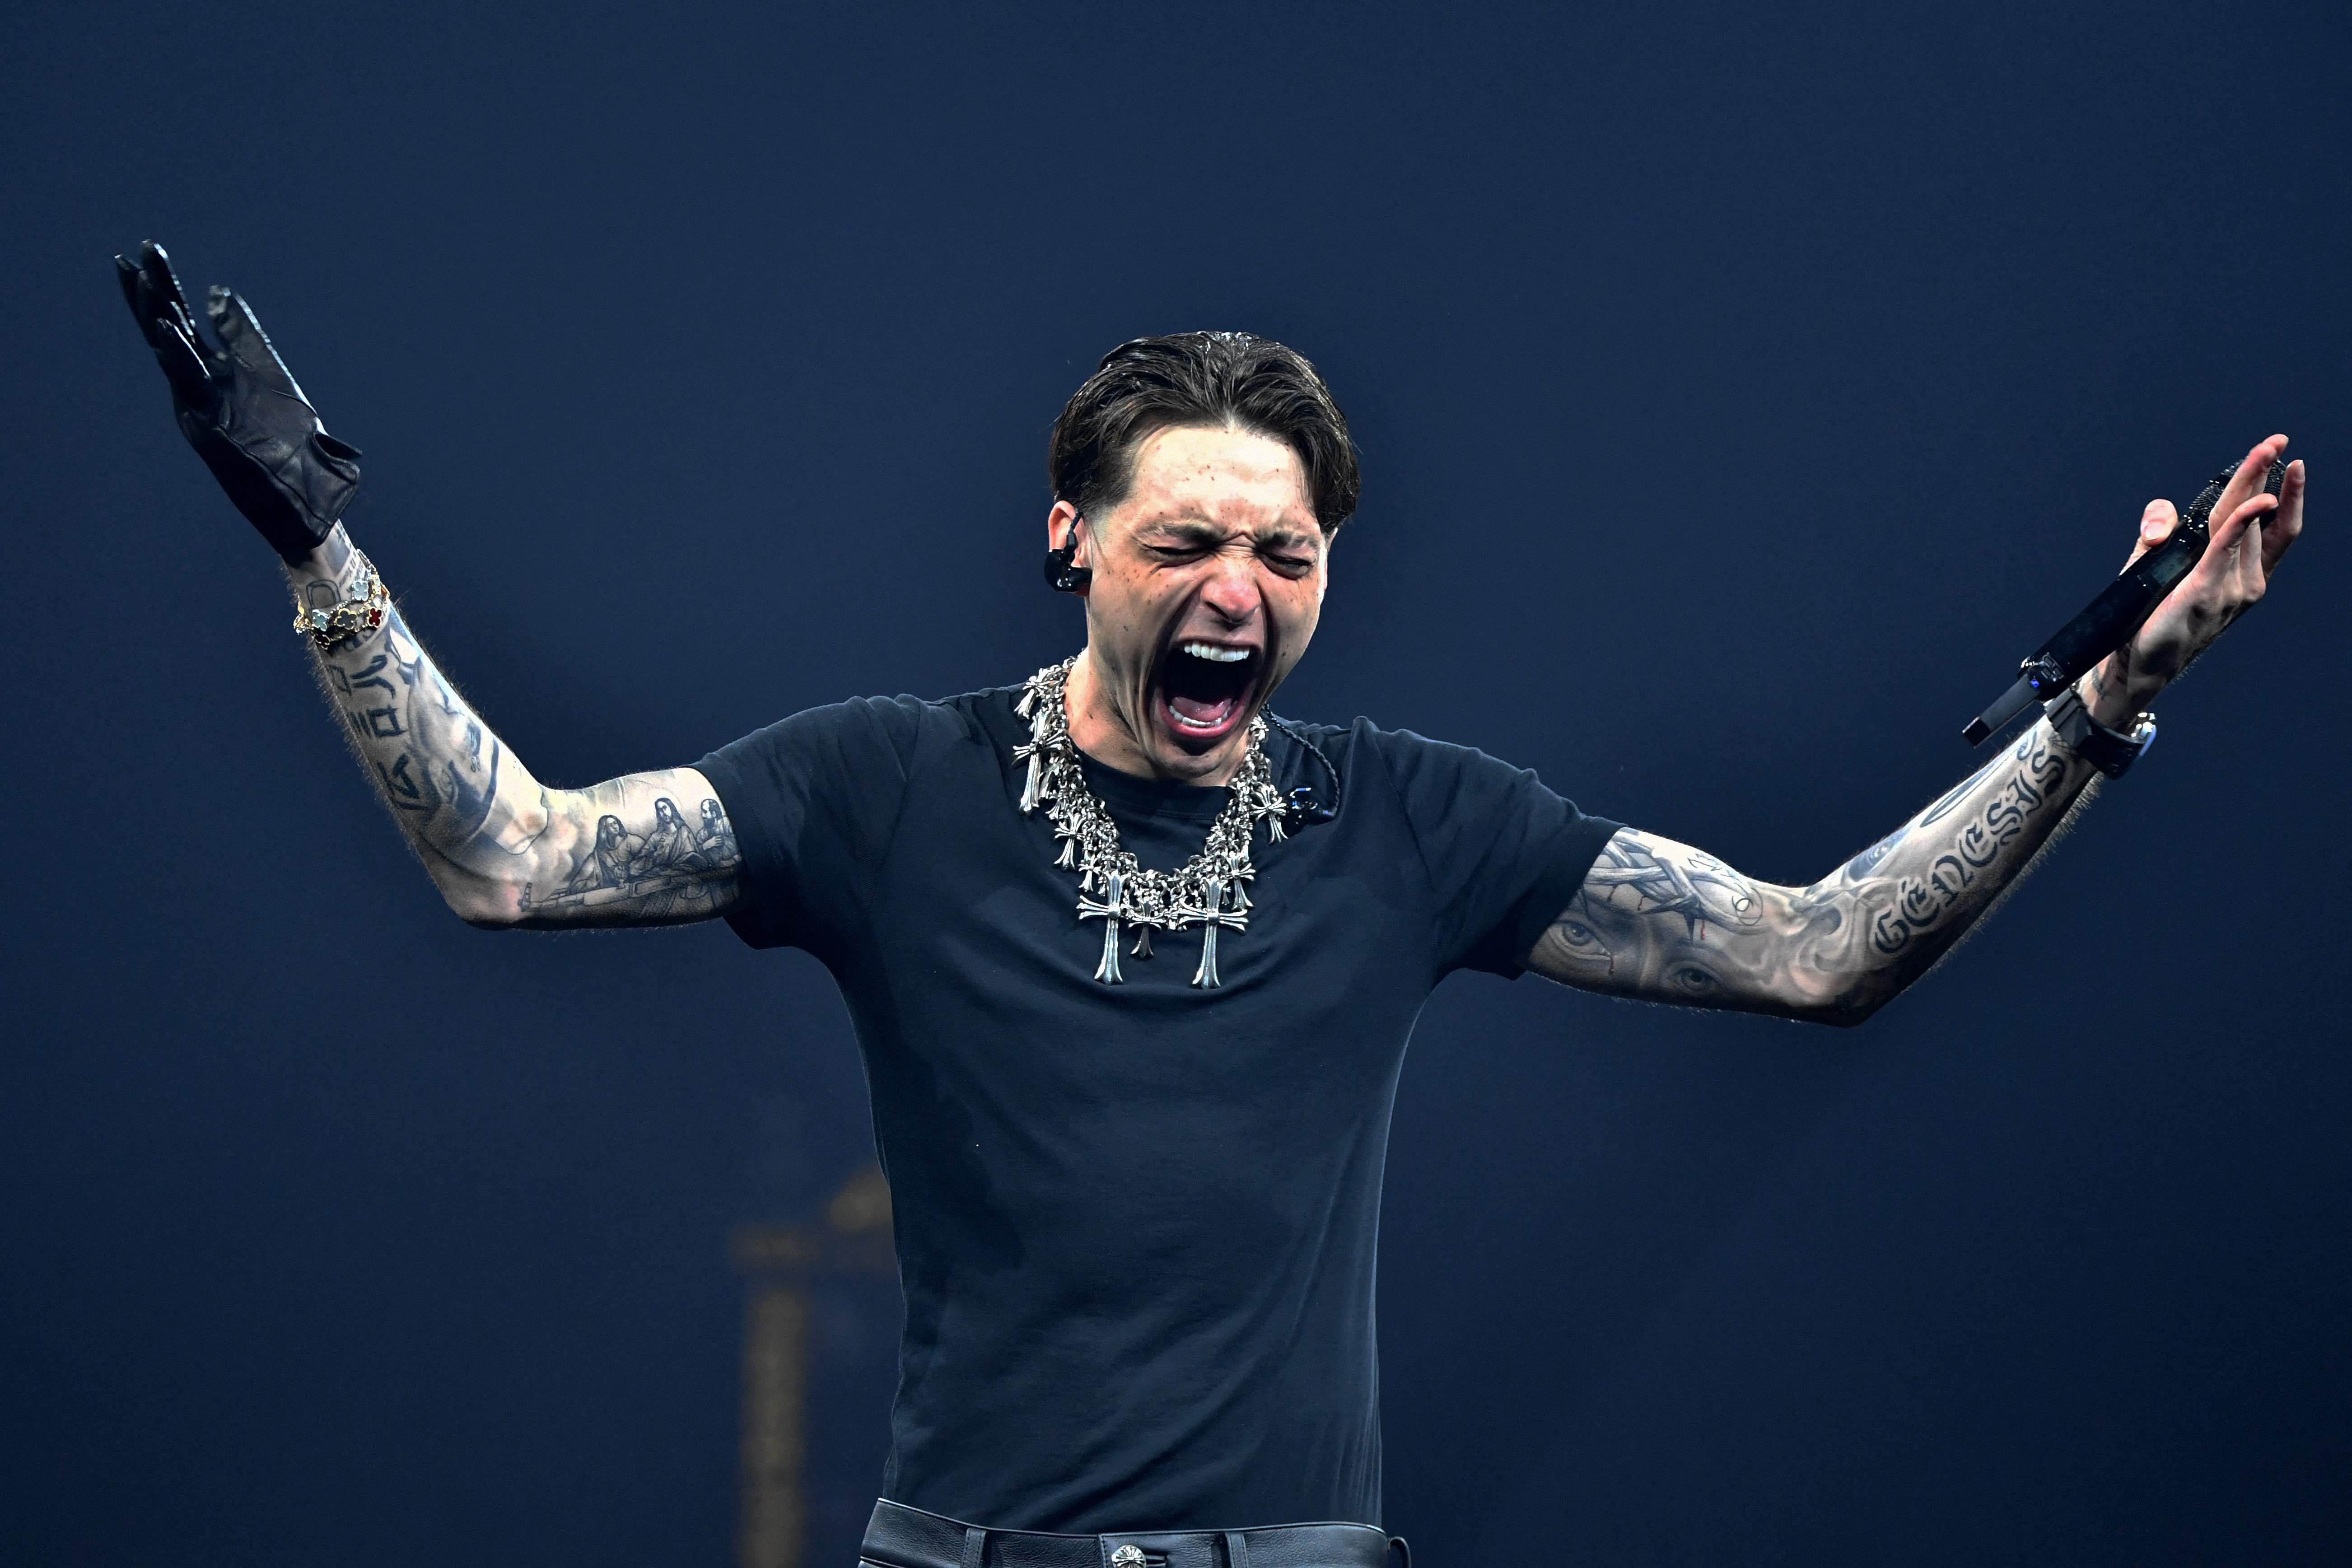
{"x":1210,"y":892}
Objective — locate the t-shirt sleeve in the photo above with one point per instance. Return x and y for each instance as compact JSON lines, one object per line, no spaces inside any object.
{"x":813,"y":800}
{"x":1504,"y":853}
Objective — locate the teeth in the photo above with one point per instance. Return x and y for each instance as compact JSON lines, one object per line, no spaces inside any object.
{"x":1214,"y":654}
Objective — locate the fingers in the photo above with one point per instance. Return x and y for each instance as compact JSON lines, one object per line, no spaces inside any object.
{"x":2282,"y":528}
{"x":2230,"y":574}
{"x":128,"y":276}
{"x":240,"y":331}
{"x":2250,"y":476}
{"x":162,"y":311}
{"x":154,"y":300}
{"x":166,"y":299}
{"x":2157,"y":521}
{"x":2258,"y":552}
{"x":182,"y":364}
{"x":140,"y":295}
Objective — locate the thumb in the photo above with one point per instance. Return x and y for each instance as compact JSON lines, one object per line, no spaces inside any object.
{"x":2157,"y":522}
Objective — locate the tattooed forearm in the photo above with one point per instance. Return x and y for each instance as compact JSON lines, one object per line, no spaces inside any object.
{"x":504,"y":849}
{"x":1662,"y":921}
{"x":1999,"y":816}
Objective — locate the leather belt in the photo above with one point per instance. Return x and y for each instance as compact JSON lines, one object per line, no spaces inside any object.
{"x":902,"y":1537}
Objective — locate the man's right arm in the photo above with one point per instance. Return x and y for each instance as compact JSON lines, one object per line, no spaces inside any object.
{"x":653,"y":848}
{"x":504,"y":849}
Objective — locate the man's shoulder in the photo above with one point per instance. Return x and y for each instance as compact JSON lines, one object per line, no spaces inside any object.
{"x":1364,"y":742}
{"x":1349,"y":758}
{"x":903,"y":716}
{"x":867,"y":740}
{"x":1422,"y":775}
{"x":986,"y":716}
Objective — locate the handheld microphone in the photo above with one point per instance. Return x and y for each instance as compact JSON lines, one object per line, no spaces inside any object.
{"x":2108,"y":622}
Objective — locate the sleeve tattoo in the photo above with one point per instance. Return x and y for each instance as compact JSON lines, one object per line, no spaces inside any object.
{"x":505,"y":849}
{"x":1661,"y":922}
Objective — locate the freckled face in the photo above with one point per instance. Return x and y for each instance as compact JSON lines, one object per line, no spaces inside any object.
{"x":1208,"y":582}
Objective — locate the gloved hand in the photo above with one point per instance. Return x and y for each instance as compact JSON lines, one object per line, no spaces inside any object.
{"x":241,"y":410}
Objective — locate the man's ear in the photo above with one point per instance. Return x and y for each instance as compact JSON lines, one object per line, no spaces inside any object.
{"x":1064,"y":535}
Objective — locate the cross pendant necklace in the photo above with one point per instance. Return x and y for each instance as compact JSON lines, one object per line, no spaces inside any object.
{"x":1209,"y":891}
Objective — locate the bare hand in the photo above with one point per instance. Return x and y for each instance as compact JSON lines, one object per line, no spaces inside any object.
{"x":2250,"y":532}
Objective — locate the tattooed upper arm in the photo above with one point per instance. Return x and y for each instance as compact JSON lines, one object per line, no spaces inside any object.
{"x":1659,"y":920}
{"x":647,"y":850}
{"x":653,"y":848}
{"x":1666,"y":922}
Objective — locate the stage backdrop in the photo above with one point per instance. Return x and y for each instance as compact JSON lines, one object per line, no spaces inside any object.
{"x":1742,"y":391}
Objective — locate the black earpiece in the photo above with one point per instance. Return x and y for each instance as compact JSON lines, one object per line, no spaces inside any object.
{"x":1060,"y":576}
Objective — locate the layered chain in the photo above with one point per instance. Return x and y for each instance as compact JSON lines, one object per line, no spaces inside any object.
{"x":362,"y":608}
{"x":1210,"y":892}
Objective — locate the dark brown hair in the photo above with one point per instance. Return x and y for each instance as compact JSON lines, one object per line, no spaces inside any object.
{"x":1200,"y":378}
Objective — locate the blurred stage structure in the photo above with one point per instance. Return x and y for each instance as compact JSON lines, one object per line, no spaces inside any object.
{"x":784,"y":1263}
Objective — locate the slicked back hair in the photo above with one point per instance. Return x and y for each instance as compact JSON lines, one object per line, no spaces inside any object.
{"x":1211,"y":379}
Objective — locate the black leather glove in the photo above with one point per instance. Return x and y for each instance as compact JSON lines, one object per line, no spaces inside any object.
{"x":242,"y":412}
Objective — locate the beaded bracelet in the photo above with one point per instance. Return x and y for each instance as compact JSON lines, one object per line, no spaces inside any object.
{"x":362,"y":610}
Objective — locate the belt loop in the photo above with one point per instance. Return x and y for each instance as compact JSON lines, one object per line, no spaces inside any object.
{"x":1236,"y":1550}
{"x":1398,"y":1544}
{"x":975,"y":1547}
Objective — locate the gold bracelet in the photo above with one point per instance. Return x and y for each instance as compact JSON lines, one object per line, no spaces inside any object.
{"x":362,"y":610}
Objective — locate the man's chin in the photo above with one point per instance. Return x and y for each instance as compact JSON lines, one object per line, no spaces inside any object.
{"x":1199,"y":741}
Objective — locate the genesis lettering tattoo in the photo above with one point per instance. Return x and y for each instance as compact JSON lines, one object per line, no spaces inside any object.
{"x":1661,"y":921}
{"x":1921,"y":901}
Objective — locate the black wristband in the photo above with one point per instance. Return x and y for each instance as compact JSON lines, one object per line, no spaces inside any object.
{"x":2112,"y":752}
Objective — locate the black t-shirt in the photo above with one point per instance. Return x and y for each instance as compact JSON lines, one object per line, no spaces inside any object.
{"x":1136,"y":1223}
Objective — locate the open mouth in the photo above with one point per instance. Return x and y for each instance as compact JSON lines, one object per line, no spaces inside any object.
{"x":1205,"y":687}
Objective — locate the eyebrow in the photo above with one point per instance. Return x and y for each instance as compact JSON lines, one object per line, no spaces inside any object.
{"x":1196,"y":528}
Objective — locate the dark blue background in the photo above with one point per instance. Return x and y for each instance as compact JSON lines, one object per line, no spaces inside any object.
{"x":1742,"y":391}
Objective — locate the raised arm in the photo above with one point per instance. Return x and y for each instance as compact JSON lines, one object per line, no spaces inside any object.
{"x":1666,"y":922}
{"x":1663,"y":922}
{"x":504,"y":849}
{"x":651,"y":848}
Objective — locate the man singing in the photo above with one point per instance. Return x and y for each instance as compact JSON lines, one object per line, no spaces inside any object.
{"x":1133,"y":961}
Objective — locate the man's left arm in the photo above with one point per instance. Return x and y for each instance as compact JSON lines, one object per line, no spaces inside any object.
{"x":1664,"y":922}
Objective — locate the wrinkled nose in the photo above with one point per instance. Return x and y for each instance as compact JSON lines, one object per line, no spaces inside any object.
{"x":1232,"y":591}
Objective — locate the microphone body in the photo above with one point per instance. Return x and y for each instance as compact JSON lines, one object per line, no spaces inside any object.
{"x":2121,"y":609}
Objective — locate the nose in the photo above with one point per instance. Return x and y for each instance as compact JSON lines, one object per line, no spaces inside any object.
{"x":1232,"y":589}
